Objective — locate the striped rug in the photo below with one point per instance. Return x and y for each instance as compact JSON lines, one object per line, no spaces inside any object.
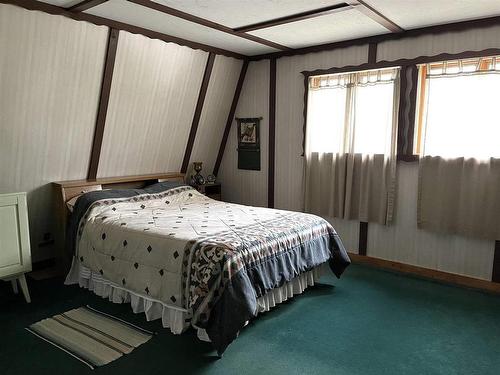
{"x":93,"y":337}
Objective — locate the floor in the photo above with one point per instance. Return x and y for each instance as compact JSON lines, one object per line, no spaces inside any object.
{"x":369,"y":322}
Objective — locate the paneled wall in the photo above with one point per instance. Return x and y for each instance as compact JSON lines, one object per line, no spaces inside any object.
{"x":51,"y":71}
{"x":220,"y":92}
{"x":50,"y":79}
{"x":153,"y":96}
{"x":402,"y":241}
{"x":242,"y":186}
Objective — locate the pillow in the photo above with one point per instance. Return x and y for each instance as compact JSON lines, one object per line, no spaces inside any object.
{"x":71,"y":203}
{"x":162,"y":186}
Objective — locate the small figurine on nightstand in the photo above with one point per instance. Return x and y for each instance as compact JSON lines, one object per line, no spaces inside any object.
{"x":197,"y":179}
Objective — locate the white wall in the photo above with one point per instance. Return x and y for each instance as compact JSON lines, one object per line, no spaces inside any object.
{"x":50,"y":78}
{"x":402,"y":241}
{"x":242,"y":186}
{"x":151,"y":106}
{"x":220,"y":93}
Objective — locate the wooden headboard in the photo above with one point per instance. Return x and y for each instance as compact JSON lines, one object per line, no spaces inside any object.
{"x":69,"y":189}
{"x":65,"y":190}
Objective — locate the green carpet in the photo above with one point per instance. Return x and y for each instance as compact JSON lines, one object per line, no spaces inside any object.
{"x":369,"y":322}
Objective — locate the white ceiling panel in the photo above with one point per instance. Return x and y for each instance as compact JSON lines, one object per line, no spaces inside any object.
{"x":334,"y":27}
{"x":410,"y":14}
{"x":124,"y":11}
{"x":237,"y":13}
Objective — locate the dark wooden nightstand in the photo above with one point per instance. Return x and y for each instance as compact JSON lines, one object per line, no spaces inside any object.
{"x":210,"y":190}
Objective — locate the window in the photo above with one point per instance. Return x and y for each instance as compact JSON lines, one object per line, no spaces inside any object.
{"x":458,"y":113}
{"x":352,"y":112}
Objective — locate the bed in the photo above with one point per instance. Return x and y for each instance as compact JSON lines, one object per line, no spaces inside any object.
{"x":192,"y":261}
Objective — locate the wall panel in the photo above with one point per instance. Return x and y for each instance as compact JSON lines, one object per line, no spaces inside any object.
{"x":403,"y":242}
{"x":153,"y":96}
{"x":242,"y":186}
{"x":430,"y":45}
{"x":223,"y":80}
{"x":50,"y":78}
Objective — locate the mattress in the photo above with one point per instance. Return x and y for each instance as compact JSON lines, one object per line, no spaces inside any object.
{"x":211,"y":260}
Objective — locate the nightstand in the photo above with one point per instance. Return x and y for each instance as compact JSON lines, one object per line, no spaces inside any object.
{"x":210,"y":190}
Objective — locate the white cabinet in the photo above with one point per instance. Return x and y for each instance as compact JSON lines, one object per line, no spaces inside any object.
{"x":15,"y":254}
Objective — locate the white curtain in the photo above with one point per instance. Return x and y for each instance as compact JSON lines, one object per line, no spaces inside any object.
{"x":351,"y":145}
{"x":459,"y":175}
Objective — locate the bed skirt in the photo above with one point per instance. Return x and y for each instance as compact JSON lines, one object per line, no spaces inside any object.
{"x":174,"y":317}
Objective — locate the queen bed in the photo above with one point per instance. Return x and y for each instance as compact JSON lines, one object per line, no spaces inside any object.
{"x":192,"y":261}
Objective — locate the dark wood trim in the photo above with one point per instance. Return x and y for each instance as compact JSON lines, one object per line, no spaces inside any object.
{"x":230,"y":117}
{"x":100,"y":21}
{"x":372,"y":53}
{"x":304,"y":114}
{"x":426,"y":273}
{"x":495,"y":274}
{"x":407,"y":109}
{"x":197,"y":112}
{"x":295,"y":17}
{"x":363,"y":238}
{"x":376,"y":16}
{"x":204,"y":22}
{"x":408,"y":158}
{"x":102,"y":110}
{"x":86,"y":4}
{"x":438,"y":29}
{"x":272,"y":132}
{"x":403,"y":62}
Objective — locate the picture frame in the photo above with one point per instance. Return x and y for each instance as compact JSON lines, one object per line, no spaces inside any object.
{"x":248,"y":132}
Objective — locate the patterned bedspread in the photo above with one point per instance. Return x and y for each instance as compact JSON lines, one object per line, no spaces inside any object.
{"x":212,"y":258}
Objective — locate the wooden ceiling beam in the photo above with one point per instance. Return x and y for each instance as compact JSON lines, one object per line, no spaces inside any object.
{"x":296,"y":17}
{"x":101,"y":21}
{"x":85,"y":4}
{"x":375,"y":15}
{"x":204,"y":22}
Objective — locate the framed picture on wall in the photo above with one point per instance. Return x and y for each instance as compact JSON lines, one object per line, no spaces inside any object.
{"x":248,"y":133}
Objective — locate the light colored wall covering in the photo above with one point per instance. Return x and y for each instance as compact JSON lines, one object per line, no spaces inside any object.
{"x":220,"y":93}
{"x":50,"y":79}
{"x":152,"y":101}
{"x":242,"y":186}
{"x":430,"y":45}
{"x":401,"y":242}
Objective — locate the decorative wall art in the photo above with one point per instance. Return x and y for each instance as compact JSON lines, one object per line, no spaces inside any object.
{"x":249,"y":143}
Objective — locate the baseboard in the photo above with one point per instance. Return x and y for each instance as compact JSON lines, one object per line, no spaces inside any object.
{"x":427,"y":273}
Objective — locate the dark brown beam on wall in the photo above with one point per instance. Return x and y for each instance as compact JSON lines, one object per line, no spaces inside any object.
{"x":197,"y":112}
{"x":230,"y":117}
{"x":295,"y":17}
{"x":272,"y":132}
{"x":102,"y":110}
{"x":407,"y":110}
{"x":372,"y":53}
{"x":363,"y":238}
{"x":375,"y":15}
{"x":101,"y":21}
{"x":495,"y":275}
{"x":86,"y":4}
{"x":207,"y":23}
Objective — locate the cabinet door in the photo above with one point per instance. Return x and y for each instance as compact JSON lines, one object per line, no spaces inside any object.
{"x":14,"y":236}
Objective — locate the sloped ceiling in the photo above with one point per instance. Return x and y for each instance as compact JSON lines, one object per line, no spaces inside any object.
{"x":325,"y":21}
